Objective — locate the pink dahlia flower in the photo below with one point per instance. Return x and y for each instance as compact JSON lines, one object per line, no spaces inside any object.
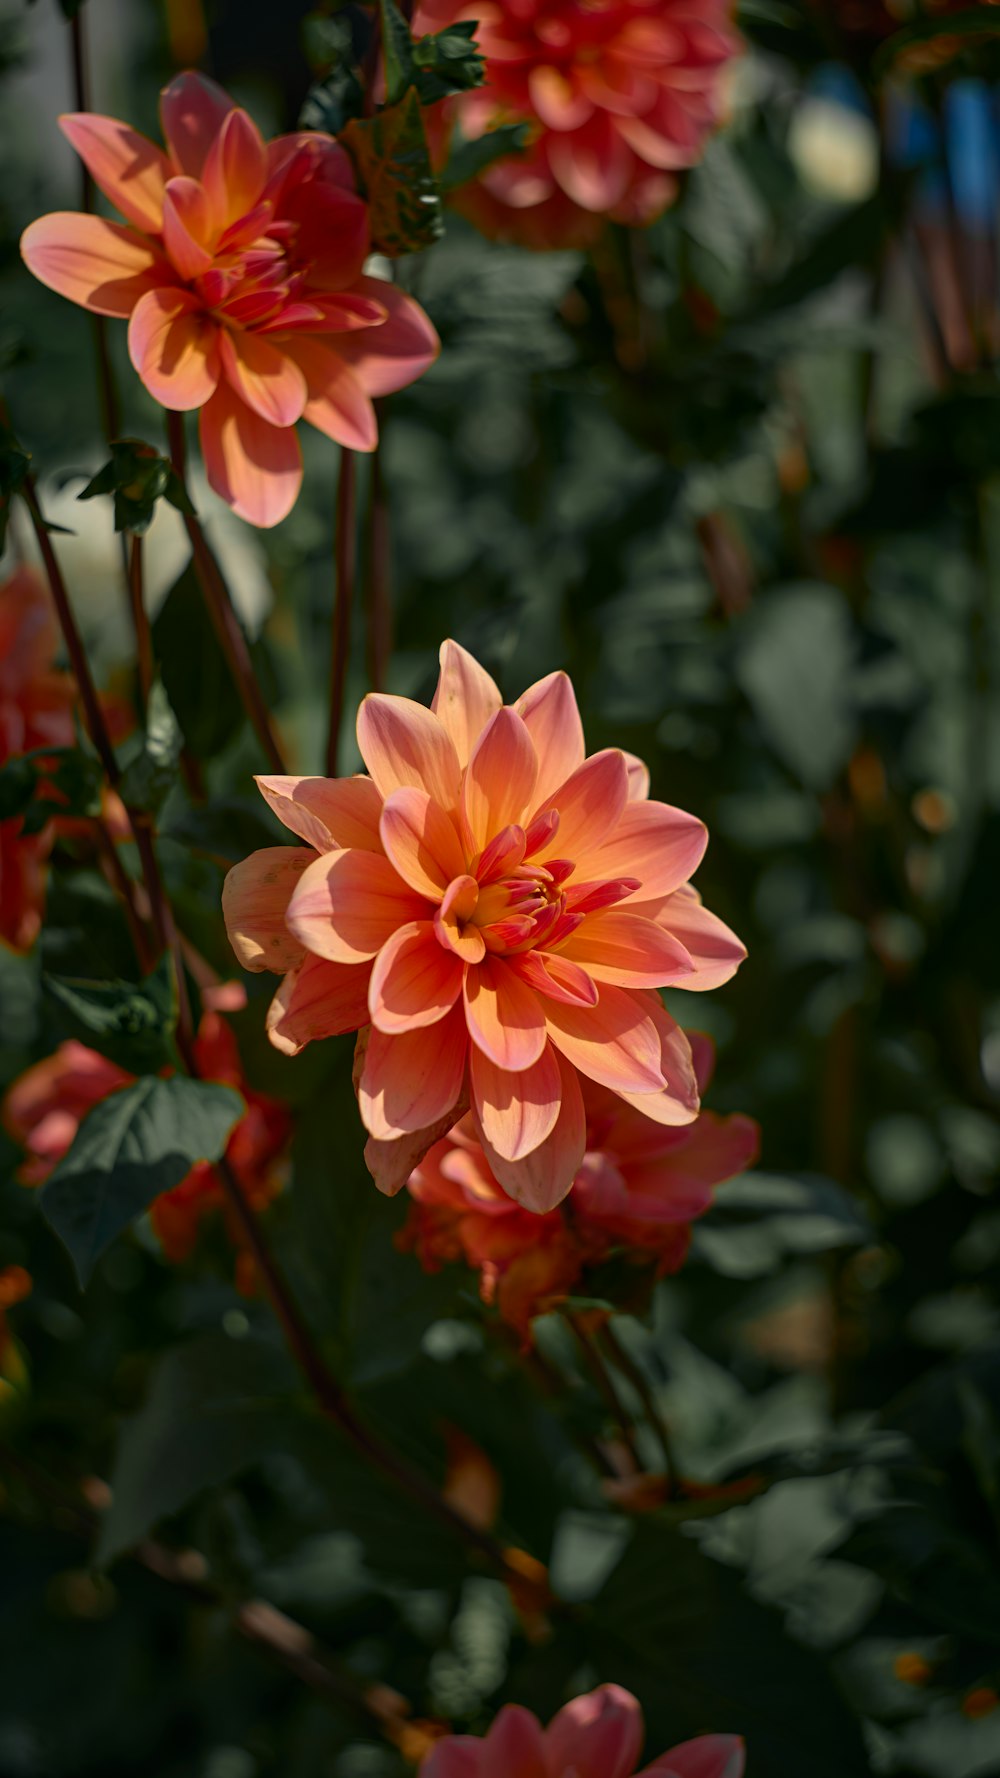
{"x":597,"y":1736}
{"x":639,"y":1188}
{"x":501,"y":909}
{"x":240,"y":269}
{"x":619,"y":96}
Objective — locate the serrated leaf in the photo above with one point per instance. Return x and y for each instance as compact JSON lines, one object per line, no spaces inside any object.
{"x":393,"y":166}
{"x":132,"y":1024}
{"x":447,"y":62}
{"x":470,"y":156}
{"x":150,"y":776}
{"x":130,"y":1148}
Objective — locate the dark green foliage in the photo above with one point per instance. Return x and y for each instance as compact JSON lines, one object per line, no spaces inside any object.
{"x":137,"y":477}
{"x":131,"y":1025}
{"x":392,"y":161}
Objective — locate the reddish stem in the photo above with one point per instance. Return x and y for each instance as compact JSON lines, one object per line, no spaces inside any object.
{"x":140,"y":622}
{"x":379,"y":601}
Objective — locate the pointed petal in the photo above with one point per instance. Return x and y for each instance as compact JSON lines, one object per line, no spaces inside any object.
{"x":540,"y":1180}
{"x":127,"y":167}
{"x":516,"y":1111}
{"x":615,"y":1042}
{"x":465,"y":698}
{"x":550,"y":714}
{"x":679,"y":1102}
{"x":593,"y":164}
{"x":710,"y":1756}
{"x":262,"y":376}
{"x":329,"y":813}
{"x":515,"y":1744}
{"x":235,"y":168}
{"x":348,"y":905}
{"x":715,"y":951}
{"x":596,"y":1736}
{"x":504,"y":1016}
{"x":394,"y":355}
{"x":500,"y":777}
{"x":254,"y":467}
{"x":402,"y":743}
{"x":638,"y":777}
{"x":173,"y":345}
{"x":457,"y":1756}
{"x":187,"y":227}
{"x":101,"y":265}
{"x":255,"y":898}
{"x":421,"y":841}
{"x":451,"y":921}
{"x":337,"y":404}
{"x":411,"y":1080}
{"x":629,"y":951}
{"x":556,"y":977}
{"x":659,"y":845}
{"x":590,"y":805}
{"x":317,"y":999}
{"x":415,"y":981}
{"x":192,"y":112}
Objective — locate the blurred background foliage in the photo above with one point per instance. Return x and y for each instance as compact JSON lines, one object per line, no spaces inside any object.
{"x":740,"y":475}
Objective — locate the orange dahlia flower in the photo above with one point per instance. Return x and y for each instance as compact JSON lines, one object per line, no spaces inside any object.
{"x":44,"y":1109}
{"x":639,"y":1188}
{"x":501,"y":909}
{"x":619,"y":96}
{"x":240,"y":268}
{"x":36,"y":710}
{"x":597,"y":1736}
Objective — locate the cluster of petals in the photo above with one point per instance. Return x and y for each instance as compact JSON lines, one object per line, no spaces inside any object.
{"x":240,"y":269}
{"x":599,"y":1735}
{"x":638,"y":1190}
{"x":500,"y":909}
{"x":619,"y":97}
{"x":44,"y":1109}
{"x":36,"y":710}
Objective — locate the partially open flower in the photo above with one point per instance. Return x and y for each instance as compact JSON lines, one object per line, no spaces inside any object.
{"x":619,"y":96}
{"x":501,"y":908}
{"x":240,"y":269}
{"x":638,"y":1189}
{"x":597,"y":1736}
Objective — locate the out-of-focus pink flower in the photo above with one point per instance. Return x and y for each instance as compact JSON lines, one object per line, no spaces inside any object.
{"x":597,"y":1736}
{"x":36,"y":705}
{"x":43,"y":1111}
{"x":240,"y":269}
{"x":639,"y":1188}
{"x":502,"y":909}
{"x":619,"y":97}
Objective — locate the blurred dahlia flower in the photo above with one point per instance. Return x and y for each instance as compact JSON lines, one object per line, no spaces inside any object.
{"x":240,"y":269}
{"x":500,"y":908}
{"x":619,"y":96}
{"x":597,"y":1736}
{"x":44,"y":1109}
{"x":639,"y":1188}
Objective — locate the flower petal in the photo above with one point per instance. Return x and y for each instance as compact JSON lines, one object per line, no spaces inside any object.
{"x":411,"y":1080}
{"x":457,"y":1756}
{"x":540,"y":1180}
{"x":348,"y":904}
{"x":597,"y":1736}
{"x":516,"y":1111}
{"x":103,"y":266}
{"x":592,"y":164}
{"x":173,"y":345}
{"x":589,"y":806}
{"x":679,"y":1102}
{"x":235,"y":168}
{"x":515,"y":1744}
{"x":337,"y":403}
{"x":394,"y":355}
{"x":659,"y":845}
{"x":556,"y":977}
{"x":465,"y":698}
{"x":402,"y":743}
{"x":616,"y":1042}
{"x":500,"y":777}
{"x":415,"y":981}
{"x":549,"y":712}
{"x":330,"y":813}
{"x":629,"y":951}
{"x":127,"y":167}
{"x":638,"y":777}
{"x":710,"y":1756}
{"x":263,"y":376}
{"x":256,"y":468}
{"x":317,"y":999}
{"x":421,"y":841}
{"x":255,"y":898}
{"x":504,"y":1017}
{"x":192,"y":112}
{"x":187,"y":227}
{"x":715,"y":951}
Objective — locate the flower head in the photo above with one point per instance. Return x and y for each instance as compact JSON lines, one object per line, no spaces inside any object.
{"x":639,"y":1188}
{"x":44,"y":1109}
{"x":619,"y":95}
{"x":597,"y":1736}
{"x":501,"y":909}
{"x":240,"y":269}
{"x":36,"y":710}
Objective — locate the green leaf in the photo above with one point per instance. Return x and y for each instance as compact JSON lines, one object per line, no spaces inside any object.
{"x":332,"y":102}
{"x":470,"y":157}
{"x":131,"y":1024}
{"x":227,"y":829}
{"x":797,"y":667}
{"x":28,"y":780}
{"x":215,"y":1406}
{"x":397,"y":56}
{"x":130,"y":1148}
{"x":150,"y":776}
{"x":759,"y":1219}
{"x":447,"y":62}
{"x":393,"y":166}
{"x":137,"y":477}
{"x":193,"y":666}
